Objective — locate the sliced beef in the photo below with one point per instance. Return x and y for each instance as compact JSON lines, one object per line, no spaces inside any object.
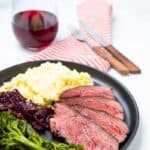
{"x":112,"y":125}
{"x":77,"y":129}
{"x":85,"y":91}
{"x":97,"y":103}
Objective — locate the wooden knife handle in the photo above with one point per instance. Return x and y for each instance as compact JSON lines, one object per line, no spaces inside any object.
{"x":128,"y":63}
{"x":121,"y":68}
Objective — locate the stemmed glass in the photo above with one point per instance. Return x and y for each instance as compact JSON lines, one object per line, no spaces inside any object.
{"x":34,"y":22}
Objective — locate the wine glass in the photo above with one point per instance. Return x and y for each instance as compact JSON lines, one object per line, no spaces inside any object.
{"x":34,"y":22}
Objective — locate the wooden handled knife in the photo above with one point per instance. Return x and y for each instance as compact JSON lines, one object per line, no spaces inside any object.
{"x":111,"y":49}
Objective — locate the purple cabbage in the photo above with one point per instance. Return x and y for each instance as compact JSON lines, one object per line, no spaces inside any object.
{"x":36,"y":115}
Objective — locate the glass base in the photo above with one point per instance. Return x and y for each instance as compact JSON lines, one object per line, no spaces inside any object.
{"x":33,"y":49}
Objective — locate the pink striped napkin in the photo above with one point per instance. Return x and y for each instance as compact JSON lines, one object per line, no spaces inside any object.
{"x":96,"y":13}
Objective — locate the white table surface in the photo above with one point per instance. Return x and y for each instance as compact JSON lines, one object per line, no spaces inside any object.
{"x":131,"y":32}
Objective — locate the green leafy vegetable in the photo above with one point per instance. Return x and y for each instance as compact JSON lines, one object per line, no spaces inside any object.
{"x":16,"y":134}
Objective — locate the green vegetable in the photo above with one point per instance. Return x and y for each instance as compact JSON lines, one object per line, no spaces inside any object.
{"x":16,"y":134}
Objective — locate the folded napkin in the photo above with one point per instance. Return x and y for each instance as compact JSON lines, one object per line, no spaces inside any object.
{"x":97,"y":14}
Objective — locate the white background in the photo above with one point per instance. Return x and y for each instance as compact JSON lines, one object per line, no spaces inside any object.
{"x":131,"y":35}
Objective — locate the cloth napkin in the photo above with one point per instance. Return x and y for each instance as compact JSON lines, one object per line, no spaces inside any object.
{"x":97,"y":14}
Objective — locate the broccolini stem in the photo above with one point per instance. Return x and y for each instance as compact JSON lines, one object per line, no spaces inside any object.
{"x":29,"y":144}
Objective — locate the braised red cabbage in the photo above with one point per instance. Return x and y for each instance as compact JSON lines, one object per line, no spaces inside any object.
{"x":14,"y":102}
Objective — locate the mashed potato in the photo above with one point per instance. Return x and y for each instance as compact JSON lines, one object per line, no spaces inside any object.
{"x":45,"y":83}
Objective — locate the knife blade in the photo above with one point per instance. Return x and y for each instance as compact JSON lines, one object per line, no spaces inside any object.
{"x":93,"y":34}
{"x":110,"y":48}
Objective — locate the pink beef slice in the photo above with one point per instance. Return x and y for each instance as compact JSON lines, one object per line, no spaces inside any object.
{"x":116,"y":127}
{"x":76,"y":129}
{"x":97,"y":103}
{"x":85,"y":91}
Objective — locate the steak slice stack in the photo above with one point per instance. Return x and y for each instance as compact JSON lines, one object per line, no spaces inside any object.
{"x":88,"y":91}
{"x":77,"y":129}
{"x":112,"y":125}
{"x":97,"y":103}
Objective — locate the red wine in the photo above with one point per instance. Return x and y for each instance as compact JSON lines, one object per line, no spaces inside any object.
{"x":35,"y":29}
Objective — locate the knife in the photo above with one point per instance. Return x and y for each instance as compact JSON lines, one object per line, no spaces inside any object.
{"x":110,"y":48}
{"x":103,"y":53}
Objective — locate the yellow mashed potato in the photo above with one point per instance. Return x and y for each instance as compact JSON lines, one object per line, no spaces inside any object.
{"x":45,"y":83}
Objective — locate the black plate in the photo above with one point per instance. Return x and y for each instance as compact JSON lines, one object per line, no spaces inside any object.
{"x":122,"y":94}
